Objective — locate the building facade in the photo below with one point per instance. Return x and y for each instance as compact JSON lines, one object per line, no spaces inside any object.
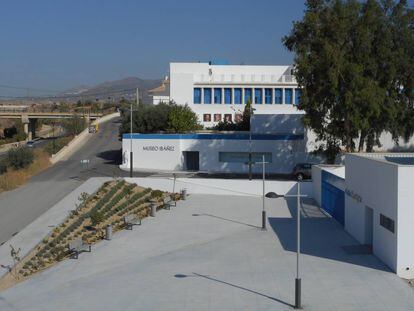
{"x":220,"y":92}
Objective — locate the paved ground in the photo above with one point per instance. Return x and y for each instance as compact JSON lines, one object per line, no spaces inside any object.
{"x":209,"y":254}
{"x":20,"y":207}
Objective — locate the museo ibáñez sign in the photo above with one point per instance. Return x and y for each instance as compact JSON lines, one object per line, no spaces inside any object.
{"x":158,"y":148}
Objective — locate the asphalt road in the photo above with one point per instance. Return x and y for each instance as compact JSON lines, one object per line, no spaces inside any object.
{"x":21,"y":206}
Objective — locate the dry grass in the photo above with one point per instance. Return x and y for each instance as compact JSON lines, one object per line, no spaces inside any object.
{"x":13,"y":179}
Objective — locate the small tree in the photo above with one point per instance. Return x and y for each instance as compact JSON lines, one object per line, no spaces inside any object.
{"x":20,"y":157}
{"x":182,"y":119}
{"x":14,"y":253}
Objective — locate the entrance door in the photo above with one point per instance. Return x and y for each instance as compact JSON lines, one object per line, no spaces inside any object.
{"x":192,"y":160}
{"x":369,"y":225}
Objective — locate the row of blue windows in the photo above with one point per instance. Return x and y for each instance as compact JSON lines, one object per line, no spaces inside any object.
{"x":215,"y":95}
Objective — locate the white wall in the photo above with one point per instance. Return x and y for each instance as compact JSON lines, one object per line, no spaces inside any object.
{"x":151,"y":154}
{"x":376,"y":182}
{"x":224,"y":186}
{"x":405,"y":226}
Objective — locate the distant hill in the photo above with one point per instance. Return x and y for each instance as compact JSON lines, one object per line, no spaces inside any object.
{"x":114,"y":89}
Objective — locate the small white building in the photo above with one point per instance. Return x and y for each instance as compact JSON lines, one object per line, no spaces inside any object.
{"x":161,"y":94}
{"x":217,"y":92}
{"x":379,"y":206}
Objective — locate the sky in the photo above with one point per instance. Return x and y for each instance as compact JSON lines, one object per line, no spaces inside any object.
{"x":55,"y":45}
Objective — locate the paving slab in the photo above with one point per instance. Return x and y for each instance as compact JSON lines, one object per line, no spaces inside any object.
{"x":209,"y":253}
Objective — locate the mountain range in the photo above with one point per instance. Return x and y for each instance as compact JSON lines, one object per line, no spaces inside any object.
{"x":113,"y":89}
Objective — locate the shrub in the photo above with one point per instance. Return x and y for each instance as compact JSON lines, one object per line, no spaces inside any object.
{"x":96,"y":217}
{"x":156,"y":194}
{"x":20,"y":157}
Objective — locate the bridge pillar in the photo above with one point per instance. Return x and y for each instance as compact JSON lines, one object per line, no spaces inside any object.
{"x":32,"y":128}
{"x":25,"y":121}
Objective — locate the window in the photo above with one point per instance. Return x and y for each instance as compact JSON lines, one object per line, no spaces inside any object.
{"x":247,"y":95}
{"x":197,"y":95}
{"x":227,"y":96}
{"x":227,"y":117}
{"x":238,"y":117}
{"x":288,"y":96}
{"x":217,"y":117}
{"x":243,"y":157}
{"x":207,"y":117}
{"x":217,"y":96}
{"x":237,"y":96}
{"x":298,"y":93}
{"x":278,"y":96}
{"x":387,"y":223}
{"x":207,"y":96}
{"x":268,"y":96}
{"x":258,"y":96}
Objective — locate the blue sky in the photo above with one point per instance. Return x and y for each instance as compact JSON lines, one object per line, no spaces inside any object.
{"x":55,"y":45}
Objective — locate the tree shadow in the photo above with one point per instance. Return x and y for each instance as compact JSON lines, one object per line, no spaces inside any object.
{"x":321,"y":236}
{"x":235,"y":286}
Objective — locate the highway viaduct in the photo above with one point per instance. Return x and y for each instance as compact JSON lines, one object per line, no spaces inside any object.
{"x":29,"y":119}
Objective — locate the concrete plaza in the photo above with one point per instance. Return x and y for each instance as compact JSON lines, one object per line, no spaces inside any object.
{"x":209,"y":253}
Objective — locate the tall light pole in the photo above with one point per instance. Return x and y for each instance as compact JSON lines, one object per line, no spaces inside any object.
{"x":298,"y":280}
{"x":131,"y":156}
{"x":263,"y":187}
{"x":251,"y":110}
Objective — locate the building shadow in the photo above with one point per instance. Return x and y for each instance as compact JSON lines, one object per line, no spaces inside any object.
{"x":321,"y":236}
{"x":112,"y":157}
{"x":194,"y":274}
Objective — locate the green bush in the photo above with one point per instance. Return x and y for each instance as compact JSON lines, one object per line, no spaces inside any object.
{"x":53,"y":147}
{"x":156,"y":194}
{"x":96,"y":217}
{"x":20,"y":157}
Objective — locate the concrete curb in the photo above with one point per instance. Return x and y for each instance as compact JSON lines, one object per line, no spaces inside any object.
{"x":79,"y":140}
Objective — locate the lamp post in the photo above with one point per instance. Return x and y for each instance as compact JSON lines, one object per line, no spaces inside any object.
{"x":131,"y":164}
{"x":251,"y":111}
{"x":131,"y":156}
{"x":263,"y":196}
{"x":298,"y":281}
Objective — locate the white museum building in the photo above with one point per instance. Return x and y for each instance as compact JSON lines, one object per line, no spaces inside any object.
{"x":216,"y":91}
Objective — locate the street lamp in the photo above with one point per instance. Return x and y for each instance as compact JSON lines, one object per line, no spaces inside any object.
{"x":131,"y":157}
{"x":273,"y":195}
{"x":251,"y":111}
{"x":263,"y":187}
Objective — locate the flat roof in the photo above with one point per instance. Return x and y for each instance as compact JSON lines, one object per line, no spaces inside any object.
{"x":224,"y":136}
{"x":400,"y":159}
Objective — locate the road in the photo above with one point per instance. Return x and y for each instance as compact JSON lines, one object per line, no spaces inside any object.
{"x":21,"y":206}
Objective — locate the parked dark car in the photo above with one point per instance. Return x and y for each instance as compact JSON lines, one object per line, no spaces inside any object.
{"x":302,"y":171}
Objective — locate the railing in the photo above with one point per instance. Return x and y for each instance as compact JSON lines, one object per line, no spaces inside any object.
{"x":243,"y":78}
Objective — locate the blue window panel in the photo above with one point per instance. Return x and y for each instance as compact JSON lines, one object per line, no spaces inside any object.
{"x":278,"y":96}
{"x":247,"y":95}
{"x":227,"y":96}
{"x":207,"y":95}
{"x":258,"y":96}
{"x":237,"y":96}
{"x":197,"y":95}
{"x":268,"y":96}
{"x":298,"y":93}
{"x":217,"y":95}
{"x":288,"y":96}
